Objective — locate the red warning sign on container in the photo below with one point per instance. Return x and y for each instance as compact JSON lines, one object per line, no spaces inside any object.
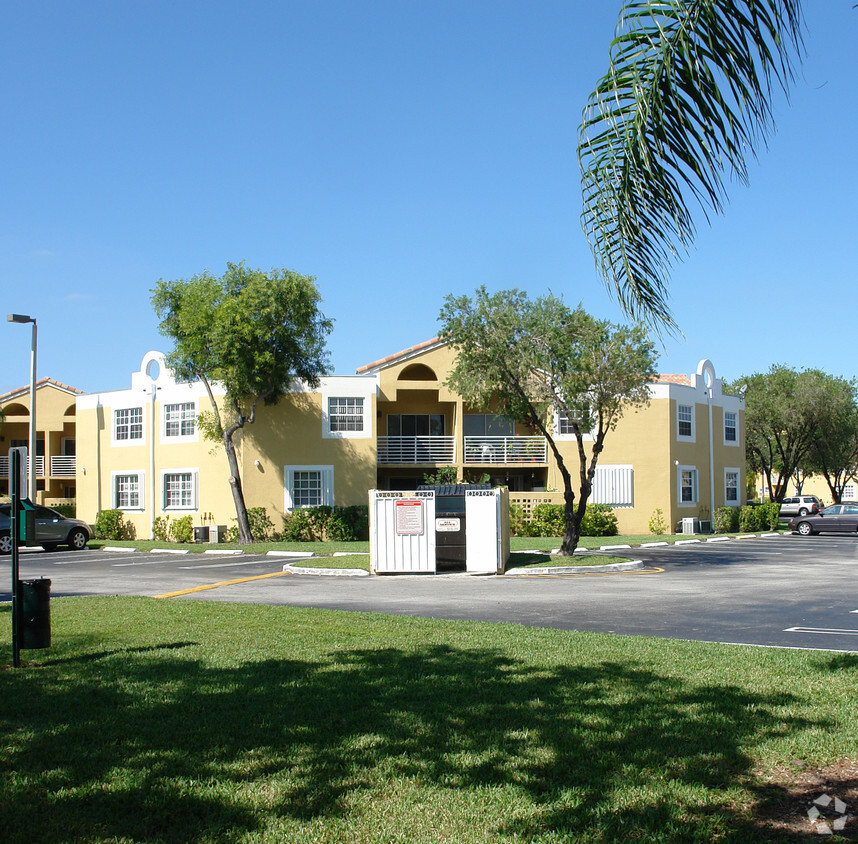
{"x":409,"y":517}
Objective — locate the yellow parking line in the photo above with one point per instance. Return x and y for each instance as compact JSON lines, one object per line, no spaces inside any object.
{"x":221,"y":583}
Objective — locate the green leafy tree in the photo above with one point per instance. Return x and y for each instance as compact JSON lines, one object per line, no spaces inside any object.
{"x":687,"y":98}
{"x":833,"y":451}
{"x":784,"y":410}
{"x":527,"y":359}
{"x":253,"y":333}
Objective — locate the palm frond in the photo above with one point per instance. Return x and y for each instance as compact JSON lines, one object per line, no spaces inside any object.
{"x":686,"y":100}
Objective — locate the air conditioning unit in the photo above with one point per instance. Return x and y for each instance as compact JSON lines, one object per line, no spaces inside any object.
{"x":706,"y":526}
{"x":690,"y":526}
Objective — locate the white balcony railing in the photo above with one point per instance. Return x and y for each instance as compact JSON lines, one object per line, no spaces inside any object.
{"x":40,"y":467}
{"x":63,"y":466}
{"x":416,"y":449}
{"x":505,"y":450}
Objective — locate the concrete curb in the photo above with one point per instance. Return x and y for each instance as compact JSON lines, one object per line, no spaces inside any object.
{"x":326,"y":572}
{"x":631,"y":566}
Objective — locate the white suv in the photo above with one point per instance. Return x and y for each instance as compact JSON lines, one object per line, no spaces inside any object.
{"x":800,"y":505}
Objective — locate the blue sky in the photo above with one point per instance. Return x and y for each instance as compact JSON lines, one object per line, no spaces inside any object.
{"x":398,"y":151}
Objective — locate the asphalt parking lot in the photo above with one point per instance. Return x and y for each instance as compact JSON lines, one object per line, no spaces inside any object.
{"x":784,"y":591}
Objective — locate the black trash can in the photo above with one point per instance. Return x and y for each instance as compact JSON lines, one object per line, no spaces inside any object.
{"x":35,"y":615}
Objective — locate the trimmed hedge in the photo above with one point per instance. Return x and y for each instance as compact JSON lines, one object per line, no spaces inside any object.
{"x":111,"y":524}
{"x":550,"y":520}
{"x":725,"y":520}
{"x":327,"y":524}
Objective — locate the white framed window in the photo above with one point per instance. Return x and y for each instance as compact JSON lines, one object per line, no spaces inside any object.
{"x":731,"y":428}
{"x":127,"y":490}
{"x":347,"y":407}
{"x":128,"y":425}
{"x":564,"y":430}
{"x":180,"y":420}
{"x":613,"y":485}
{"x":564,"y":426}
{"x":731,"y":487}
{"x":345,"y":414}
{"x":179,"y":489}
{"x":308,"y":486}
{"x":687,"y":483}
{"x":848,"y":492}
{"x":685,"y":422}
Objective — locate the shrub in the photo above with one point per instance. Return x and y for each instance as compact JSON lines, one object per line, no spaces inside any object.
{"x":261,"y":526}
{"x":657,"y":524}
{"x":770,"y":514}
{"x":749,"y":518}
{"x":548,"y":520}
{"x":444,"y":475}
{"x":349,"y":524}
{"x":182,"y":530}
{"x":297,"y":527}
{"x":599,"y":520}
{"x":161,"y":528}
{"x":725,"y":520}
{"x":327,"y":524}
{"x":519,"y":524}
{"x":110,"y":524}
{"x":68,"y":510}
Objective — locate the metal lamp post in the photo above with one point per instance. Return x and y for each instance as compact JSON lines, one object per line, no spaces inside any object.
{"x":32,"y":450}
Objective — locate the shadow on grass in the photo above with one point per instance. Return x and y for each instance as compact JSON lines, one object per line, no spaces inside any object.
{"x":150,"y":745}
{"x":519,"y":559}
{"x":92,"y":657}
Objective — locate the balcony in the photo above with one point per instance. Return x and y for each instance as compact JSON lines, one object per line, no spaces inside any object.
{"x":505,"y":450}
{"x":63,"y":466}
{"x":40,"y":467}
{"x":412,"y":450}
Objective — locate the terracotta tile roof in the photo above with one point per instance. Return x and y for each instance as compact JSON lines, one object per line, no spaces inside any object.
{"x":392,"y":358}
{"x":42,"y":382}
{"x":673,"y":379}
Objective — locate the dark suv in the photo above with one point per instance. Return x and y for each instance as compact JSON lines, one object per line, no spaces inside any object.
{"x":52,"y":529}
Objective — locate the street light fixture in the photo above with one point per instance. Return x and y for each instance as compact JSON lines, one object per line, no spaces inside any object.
{"x":31,"y":460}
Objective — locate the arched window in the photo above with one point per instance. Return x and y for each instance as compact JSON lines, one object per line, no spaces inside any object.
{"x":417,"y":372}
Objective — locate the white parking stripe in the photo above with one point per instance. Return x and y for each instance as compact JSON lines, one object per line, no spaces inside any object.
{"x":829,"y":631}
{"x":227,"y":565}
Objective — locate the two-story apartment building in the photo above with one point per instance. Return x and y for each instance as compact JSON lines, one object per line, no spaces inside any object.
{"x":55,"y":438}
{"x":683,"y":454}
{"x":140,"y":449}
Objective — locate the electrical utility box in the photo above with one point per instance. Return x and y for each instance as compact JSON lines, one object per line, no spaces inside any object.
{"x":439,"y":528}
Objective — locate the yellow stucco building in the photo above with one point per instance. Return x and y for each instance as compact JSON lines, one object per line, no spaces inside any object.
{"x":55,"y":461}
{"x":140,"y":449}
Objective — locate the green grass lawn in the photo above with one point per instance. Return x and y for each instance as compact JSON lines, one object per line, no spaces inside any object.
{"x":187,"y":721}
